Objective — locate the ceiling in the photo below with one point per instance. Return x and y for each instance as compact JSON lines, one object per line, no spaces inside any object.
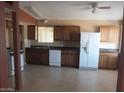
{"x":71,"y":10}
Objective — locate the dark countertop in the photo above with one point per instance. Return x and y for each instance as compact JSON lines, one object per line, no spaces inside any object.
{"x":110,"y":50}
{"x":71,"y":47}
{"x":55,"y":47}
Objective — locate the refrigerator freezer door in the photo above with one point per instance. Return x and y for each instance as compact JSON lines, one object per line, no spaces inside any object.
{"x":84,"y":49}
{"x":84,"y":41}
{"x":93,"y":55}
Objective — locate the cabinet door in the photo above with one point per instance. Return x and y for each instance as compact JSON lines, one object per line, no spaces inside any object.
{"x":75,"y":33}
{"x":58,"y":33}
{"x":75,"y":36}
{"x":66,"y":34}
{"x":27,"y":55}
{"x":110,"y":33}
{"x":114,"y":34}
{"x":104,"y":32}
{"x":112,"y":64}
{"x":31,"y":32}
{"x":45,"y":57}
{"x":103,"y":60}
{"x":65,"y":58}
{"x":74,"y":58}
{"x":33,"y":56}
{"x":108,"y":60}
{"x":70,"y":58}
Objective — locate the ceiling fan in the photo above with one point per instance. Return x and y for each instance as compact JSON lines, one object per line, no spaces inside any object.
{"x":94,"y":7}
{"x":33,"y":11}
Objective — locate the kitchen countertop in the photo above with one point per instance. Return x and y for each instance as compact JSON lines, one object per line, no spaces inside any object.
{"x":110,"y":50}
{"x":71,"y":47}
{"x":55,"y":47}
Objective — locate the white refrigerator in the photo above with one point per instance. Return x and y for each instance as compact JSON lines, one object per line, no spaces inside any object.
{"x":89,"y":50}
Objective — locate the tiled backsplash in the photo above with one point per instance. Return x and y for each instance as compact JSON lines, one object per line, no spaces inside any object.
{"x":103,"y":45}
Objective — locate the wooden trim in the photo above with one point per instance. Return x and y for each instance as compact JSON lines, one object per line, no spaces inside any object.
{"x":16,"y":42}
{"x":3,"y":51}
{"x":120,"y":81}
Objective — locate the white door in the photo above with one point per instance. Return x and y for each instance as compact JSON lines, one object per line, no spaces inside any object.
{"x":83,"y":49}
{"x":93,"y":50}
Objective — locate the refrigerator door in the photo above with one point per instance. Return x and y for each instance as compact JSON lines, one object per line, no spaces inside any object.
{"x":93,"y":48}
{"x":83,"y":61}
{"x":84,"y":41}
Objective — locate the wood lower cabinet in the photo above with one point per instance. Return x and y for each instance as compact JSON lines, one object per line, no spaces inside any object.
{"x":70,"y":58}
{"x":108,"y":60}
{"x":37,"y":56}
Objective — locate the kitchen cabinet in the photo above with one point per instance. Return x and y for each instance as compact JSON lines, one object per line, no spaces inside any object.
{"x":31,"y":32}
{"x":37,"y":56}
{"x":109,"y":33}
{"x":108,"y":60}
{"x":75,"y":36}
{"x":70,"y":58}
{"x":104,"y":31}
{"x":67,"y":33}
{"x":103,"y":60}
{"x":75,"y":33}
{"x":58,"y":33}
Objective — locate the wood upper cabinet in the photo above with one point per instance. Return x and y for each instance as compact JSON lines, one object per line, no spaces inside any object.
{"x":37,"y":56}
{"x":31,"y":32}
{"x":67,"y":33}
{"x":75,"y":33}
{"x":109,"y":33}
{"x":104,"y":31}
{"x":58,"y":33}
{"x":108,"y":60}
{"x":70,"y":58}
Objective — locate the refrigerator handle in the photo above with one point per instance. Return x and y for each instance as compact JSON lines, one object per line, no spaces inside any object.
{"x":87,"y":47}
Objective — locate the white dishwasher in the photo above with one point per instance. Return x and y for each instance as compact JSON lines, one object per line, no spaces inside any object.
{"x":55,"y":57}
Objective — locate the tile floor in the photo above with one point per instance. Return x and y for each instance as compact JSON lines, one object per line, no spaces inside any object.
{"x":64,"y":79}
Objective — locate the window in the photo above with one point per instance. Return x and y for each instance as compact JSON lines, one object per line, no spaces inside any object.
{"x":45,"y":34}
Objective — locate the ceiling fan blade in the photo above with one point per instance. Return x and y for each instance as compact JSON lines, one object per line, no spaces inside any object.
{"x":32,"y":10}
{"x":83,"y":3}
{"x":105,"y":7}
{"x":85,"y":8}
